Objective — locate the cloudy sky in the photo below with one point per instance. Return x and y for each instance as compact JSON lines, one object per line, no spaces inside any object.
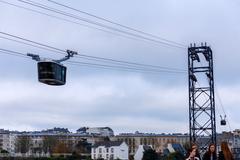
{"x":123,"y":100}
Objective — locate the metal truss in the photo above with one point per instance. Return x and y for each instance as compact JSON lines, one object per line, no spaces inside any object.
{"x":202,"y":123}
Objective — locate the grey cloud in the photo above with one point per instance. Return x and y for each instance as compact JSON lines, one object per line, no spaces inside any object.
{"x":122,"y":100}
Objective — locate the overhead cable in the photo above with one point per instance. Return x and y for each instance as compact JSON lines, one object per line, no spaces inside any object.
{"x":85,"y":25}
{"x":97,"y":66}
{"x":128,"y":68}
{"x":15,"y":53}
{"x":115,"y":23}
{"x":221,"y":104}
{"x":35,"y":4}
{"x":84,"y":56}
{"x":29,"y":44}
{"x":130,"y":63}
{"x":70,"y":21}
{"x":27,"y":40}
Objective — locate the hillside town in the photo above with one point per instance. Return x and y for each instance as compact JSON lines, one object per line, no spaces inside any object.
{"x":101,"y":143}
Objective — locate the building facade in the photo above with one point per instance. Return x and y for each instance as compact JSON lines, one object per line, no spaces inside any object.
{"x":110,"y":150}
{"x":158,"y":141}
{"x":66,"y":142}
{"x":101,"y":131}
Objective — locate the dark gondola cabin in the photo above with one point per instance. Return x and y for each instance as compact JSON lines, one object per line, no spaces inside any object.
{"x":223,"y":122}
{"x":51,"y":73}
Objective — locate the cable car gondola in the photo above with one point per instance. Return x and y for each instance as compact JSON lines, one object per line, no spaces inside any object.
{"x":223,"y":120}
{"x":52,"y":72}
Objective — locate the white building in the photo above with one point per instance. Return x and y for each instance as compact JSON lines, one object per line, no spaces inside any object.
{"x":7,"y":142}
{"x":110,"y":150}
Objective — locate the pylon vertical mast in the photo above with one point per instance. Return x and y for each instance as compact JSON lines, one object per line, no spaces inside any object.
{"x":202,"y":123}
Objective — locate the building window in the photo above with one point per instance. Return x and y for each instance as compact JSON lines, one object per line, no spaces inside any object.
{"x":130,"y":142}
{"x":112,"y":150}
{"x":145,"y":141}
{"x":107,"y":150}
{"x":153,"y":141}
{"x":100,"y":150}
{"x":111,"y":156}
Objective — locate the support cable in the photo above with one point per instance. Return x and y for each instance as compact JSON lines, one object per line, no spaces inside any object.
{"x":15,"y":53}
{"x":221,"y":104}
{"x":85,"y":25}
{"x":219,"y":100}
{"x":27,"y":40}
{"x":130,"y":63}
{"x":94,"y":58}
{"x":28,"y":44}
{"x":70,"y":21}
{"x":35,"y":4}
{"x":124,"y":67}
{"x":115,"y":23}
{"x":99,"y":66}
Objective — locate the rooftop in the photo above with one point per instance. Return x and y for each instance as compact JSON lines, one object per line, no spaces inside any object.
{"x":108,"y":144}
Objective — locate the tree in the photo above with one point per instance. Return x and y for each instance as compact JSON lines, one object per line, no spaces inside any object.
{"x":4,"y":151}
{"x":49,"y":142}
{"x":83,"y":146}
{"x":150,"y":154}
{"x":23,"y":144}
{"x":61,"y":147}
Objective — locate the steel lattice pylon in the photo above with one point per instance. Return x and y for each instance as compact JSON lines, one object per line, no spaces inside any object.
{"x":202,"y":123}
